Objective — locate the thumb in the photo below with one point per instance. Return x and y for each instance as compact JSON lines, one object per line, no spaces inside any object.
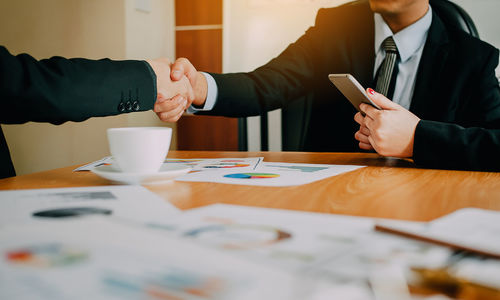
{"x":381,"y":100}
{"x":177,"y":71}
{"x":182,"y":66}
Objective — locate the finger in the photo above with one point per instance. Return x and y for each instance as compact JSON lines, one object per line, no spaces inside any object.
{"x":361,"y":137}
{"x":170,"y":116}
{"x":370,"y":111}
{"x":381,"y":100}
{"x":364,"y":130}
{"x":178,"y":102}
{"x":179,"y":116}
{"x":365,"y":146}
{"x":369,"y":123}
{"x":358,"y":117}
{"x":161,"y":98}
{"x":182,"y":66}
{"x":177,"y":71}
{"x":171,"y":108}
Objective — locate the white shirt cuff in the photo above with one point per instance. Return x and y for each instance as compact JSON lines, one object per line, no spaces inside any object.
{"x":211,"y":96}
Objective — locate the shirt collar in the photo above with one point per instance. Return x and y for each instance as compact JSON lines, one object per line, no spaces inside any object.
{"x":408,"y":40}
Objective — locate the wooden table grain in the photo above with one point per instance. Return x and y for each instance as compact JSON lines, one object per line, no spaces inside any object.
{"x":386,"y":188}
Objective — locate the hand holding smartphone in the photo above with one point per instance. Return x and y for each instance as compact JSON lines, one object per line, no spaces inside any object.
{"x":351,"y":89}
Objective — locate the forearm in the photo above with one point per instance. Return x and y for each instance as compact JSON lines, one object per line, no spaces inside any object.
{"x":285,"y":78}
{"x":57,"y":90}
{"x":235,"y":96}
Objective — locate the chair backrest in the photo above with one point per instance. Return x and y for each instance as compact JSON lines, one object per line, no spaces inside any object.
{"x":295,"y":117}
{"x":454,"y":16}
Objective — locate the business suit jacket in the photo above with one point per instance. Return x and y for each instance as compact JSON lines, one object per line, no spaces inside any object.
{"x":455,"y":84}
{"x":57,"y":90}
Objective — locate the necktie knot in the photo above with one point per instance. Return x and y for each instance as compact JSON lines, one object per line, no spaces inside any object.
{"x":389,"y":45}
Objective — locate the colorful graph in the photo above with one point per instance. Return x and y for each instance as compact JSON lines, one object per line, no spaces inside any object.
{"x":306,"y":169}
{"x":102,"y":164}
{"x":188,"y":161}
{"x":225,"y":164}
{"x":46,"y":256}
{"x":252,"y":175}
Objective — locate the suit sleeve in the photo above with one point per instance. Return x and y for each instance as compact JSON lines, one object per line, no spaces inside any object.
{"x":57,"y":90}
{"x":449,"y":146}
{"x":473,"y":147}
{"x":285,"y":77}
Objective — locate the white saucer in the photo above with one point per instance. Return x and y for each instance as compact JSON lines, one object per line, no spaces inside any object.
{"x":167,"y":172}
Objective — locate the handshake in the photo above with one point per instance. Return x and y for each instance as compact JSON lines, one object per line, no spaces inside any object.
{"x":179,"y":85}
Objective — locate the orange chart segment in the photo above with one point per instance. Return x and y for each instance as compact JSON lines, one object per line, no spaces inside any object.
{"x":252,"y":175}
{"x":226,"y":166}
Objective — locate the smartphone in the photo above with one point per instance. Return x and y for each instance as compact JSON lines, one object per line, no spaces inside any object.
{"x":351,"y":89}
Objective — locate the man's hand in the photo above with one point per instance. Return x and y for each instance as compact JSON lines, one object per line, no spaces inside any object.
{"x":389,"y":131}
{"x":173,"y":97}
{"x":183,"y":67}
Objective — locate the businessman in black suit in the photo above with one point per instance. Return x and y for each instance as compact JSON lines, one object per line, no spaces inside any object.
{"x":57,"y":90}
{"x":444,"y":77}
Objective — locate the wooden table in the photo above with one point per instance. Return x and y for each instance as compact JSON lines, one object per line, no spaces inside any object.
{"x":387,"y":188}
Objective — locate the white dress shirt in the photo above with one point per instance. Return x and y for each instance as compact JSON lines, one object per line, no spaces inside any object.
{"x":211,"y":95}
{"x":410,"y":42}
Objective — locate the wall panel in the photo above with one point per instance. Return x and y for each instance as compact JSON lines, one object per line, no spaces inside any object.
{"x":199,"y":38}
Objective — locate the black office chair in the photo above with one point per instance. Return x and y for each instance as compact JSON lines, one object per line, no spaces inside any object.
{"x":295,"y":116}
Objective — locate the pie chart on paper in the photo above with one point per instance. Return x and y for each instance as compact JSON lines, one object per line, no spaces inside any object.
{"x":251,"y":175}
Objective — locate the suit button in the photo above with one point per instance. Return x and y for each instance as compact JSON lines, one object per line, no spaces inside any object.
{"x":121,"y":107}
{"x":128,"y":106}
{"x":136,"y":106}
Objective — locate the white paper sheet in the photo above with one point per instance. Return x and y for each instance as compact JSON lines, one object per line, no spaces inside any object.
{"x":479,"y":270}
{"x":471,"y":228}
{"x":133,"y":203}
{"x":99,"y":259}
{"x":215,"y":164}
{"x":198,"y":164}
{"x":108,"y":160}
{"x":272,"y":174}
{"x":335,"y":248}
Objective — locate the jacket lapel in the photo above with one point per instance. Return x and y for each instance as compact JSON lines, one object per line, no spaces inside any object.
{"x":424,"y":102}
{"x":361,"y":46}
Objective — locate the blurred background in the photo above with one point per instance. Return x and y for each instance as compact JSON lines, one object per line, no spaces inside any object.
{"x":217,"y":35}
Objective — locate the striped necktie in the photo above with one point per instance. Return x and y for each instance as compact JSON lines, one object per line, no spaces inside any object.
{"x":387,"y":68}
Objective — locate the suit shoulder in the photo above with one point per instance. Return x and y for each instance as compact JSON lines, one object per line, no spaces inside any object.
{"x":467,"y":43}
{"x":352,"y":12}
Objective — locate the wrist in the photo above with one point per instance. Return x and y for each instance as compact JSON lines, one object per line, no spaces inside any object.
{"x":412,"y":137}
{"x":200,"y":90}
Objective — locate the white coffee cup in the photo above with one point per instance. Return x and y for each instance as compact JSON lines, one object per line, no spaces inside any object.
{"x":139,"y":149}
